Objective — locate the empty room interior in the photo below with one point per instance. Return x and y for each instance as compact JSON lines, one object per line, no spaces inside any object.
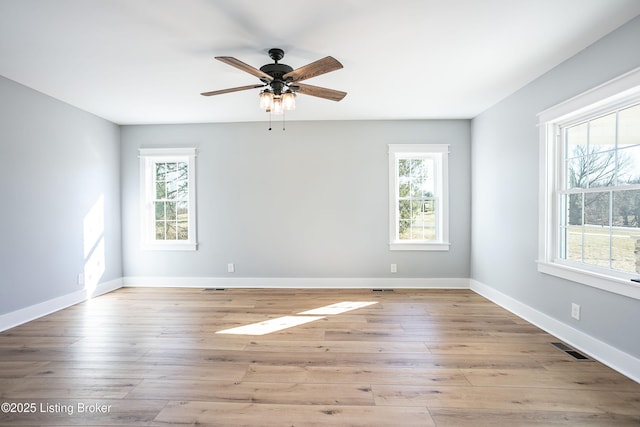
{"x":233,"y":213}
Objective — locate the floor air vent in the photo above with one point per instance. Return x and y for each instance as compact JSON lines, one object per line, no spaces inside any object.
{"x":214,"y":289}
{"x":381,"y":290}
{"x":570,"y":351}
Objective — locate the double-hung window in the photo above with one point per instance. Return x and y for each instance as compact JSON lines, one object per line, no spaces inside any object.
{"x":590,"y":187}
{"x":418,"y":197}
{"x":167,"y":178}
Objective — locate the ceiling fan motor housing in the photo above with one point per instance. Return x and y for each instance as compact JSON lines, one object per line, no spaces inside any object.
{"x":276,"y":71}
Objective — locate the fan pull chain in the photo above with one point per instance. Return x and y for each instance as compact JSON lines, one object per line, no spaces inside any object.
{"x":283,"y":121}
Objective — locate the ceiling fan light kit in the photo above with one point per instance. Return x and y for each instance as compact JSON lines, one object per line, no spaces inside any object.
{"x":280,"y":82}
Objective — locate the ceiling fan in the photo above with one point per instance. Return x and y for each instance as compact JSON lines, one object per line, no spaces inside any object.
{"x":281,"y":83}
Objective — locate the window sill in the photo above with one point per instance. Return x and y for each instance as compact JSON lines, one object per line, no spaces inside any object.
{"x":601,"y":281}
{"x":419,"y":246}
{"x":170,"y":247}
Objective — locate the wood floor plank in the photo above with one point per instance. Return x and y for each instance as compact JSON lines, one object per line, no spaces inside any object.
{"x":83,"y":412}
{"x":544,"y":378}
{"x":252,"y":414}
{"x":415,"y":357}
{"x":507,"y":398}
{"x":80,"y":388}
{"x":350,"y":374}
{"x":492,"y":418}
{"x":254,"y":392}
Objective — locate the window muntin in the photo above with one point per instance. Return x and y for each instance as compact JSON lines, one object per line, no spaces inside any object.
{"x":598,"y":195}
{"x":417,"y":197}
{"x":168,"y":198}
{"x":562,"y":201}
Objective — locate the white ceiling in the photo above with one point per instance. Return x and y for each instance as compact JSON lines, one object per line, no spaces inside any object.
{"x":146,"y":61}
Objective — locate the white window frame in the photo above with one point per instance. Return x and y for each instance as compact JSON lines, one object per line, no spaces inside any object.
{"x":148,"y":158}
{"x":440,"y":154}
{"x":610,"y":95}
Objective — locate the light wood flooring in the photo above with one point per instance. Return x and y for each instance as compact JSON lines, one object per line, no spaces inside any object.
{"x":151,"y":357}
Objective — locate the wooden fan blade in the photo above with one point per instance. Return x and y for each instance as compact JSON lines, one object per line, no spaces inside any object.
{"x":321,"y":66}
{"x":320,"y":92}
{"x":233,"y":89}
{"x":244,"y":67}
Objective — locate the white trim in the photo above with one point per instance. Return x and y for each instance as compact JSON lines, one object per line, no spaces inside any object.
{"x":616,"y":359}
{"x":33,"y":312}
{"x":440,"y":153}
{"x":591,"y":278}
{"x":147,"y":157}
{"x":167,"y":152}
{"x":624,"y":86}
{"x":297,"y":282}
{"x":609,"y":95}
{"x":412,"y":246}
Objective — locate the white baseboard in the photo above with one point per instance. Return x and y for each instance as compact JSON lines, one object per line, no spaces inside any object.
{"x":27,"y":314}
{"x":297,"y":282}
{"x":601,"y":351}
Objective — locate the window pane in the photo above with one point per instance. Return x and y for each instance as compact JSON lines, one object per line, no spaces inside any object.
{"x":626,"y":218}
{"x":161,"y":190}
{"x":602,"y":168}
{"x":417,"y":186}
{"x":182,"y":210}
{"x":430,"y":234}
{"x":417,"y":230}
{"x":405,"y":209}
{"x":576,"y":140}
{"x":183,"y":170}
{"x":577,"y":173}
{"x":596,"y":247}
{"x":602,"y":133}
{"x":417,"y":168}
{"x":596,"y":210}
{"x":171,"y":231}
{"x":417,"y":208}
{"x":574,"y":210}
{"x":405,"y":186}
{"x":183,"y":231}
{"x":170,"y":210}
{"x":623,"y":257}
{"x":403,"y":168}
{"x":629,"y":165}
{"x":159,"y":208}
{"x":626,"y":209}
{"x":629,"y":126}
{"x":404,"y":229}
{"x":161,"y":170}
{"x":597,"y":239}
{"x":571,"y":227}
{"x":573,"y":243}
{"x":160,"y":230}
{"x":172,"y":188}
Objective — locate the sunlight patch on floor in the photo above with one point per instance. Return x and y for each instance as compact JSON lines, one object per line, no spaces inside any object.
{"x":340,"y":307}
{"x":269,"y":326}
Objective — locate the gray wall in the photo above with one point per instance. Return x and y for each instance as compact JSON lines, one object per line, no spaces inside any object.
{"x":311,"y":201}
{"x":56,"y":163}
{"x":505,"y":195}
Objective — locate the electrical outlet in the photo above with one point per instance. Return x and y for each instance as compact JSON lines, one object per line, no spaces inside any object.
{"x":394,"y":268}
{"x":80,"y":278}
{"x":575,"y":311}
{"x":231,"y":268}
